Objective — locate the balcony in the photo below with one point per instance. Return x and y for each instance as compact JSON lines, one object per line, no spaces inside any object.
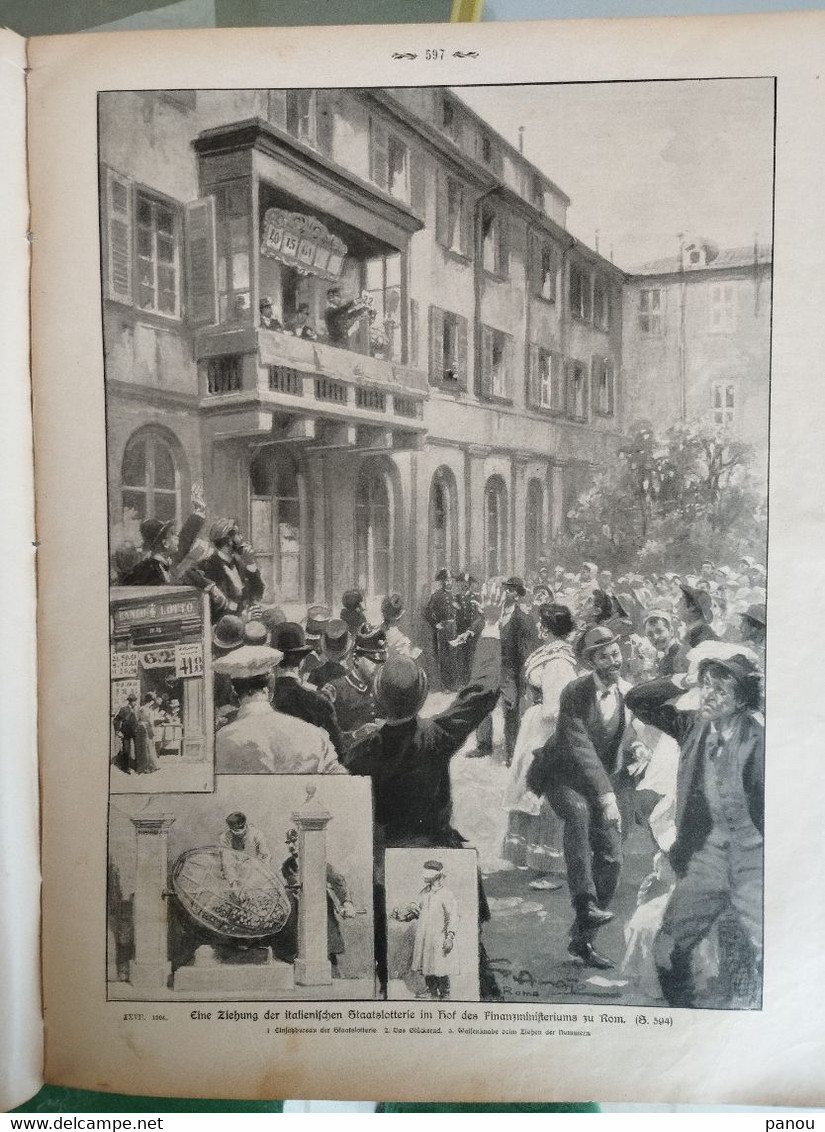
{"x":267,"y":381}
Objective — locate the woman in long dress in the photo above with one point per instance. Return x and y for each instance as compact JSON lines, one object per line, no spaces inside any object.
{"x":533,"y":830}
{"x":145,"y":757}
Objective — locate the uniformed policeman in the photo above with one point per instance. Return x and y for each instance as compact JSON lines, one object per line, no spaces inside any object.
{"x":440,"y":614}
{"x":469,"y":621}
{"x":352,"y":694}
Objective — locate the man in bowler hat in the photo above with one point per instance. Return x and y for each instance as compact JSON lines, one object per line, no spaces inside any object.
{"x":291,"y":695}
{"x":586,"y":766}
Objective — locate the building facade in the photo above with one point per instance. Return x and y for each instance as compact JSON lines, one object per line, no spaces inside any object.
{"x":450,"y":420}
{"x":696,"y":340}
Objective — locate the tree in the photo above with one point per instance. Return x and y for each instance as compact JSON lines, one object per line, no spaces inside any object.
{"x":671,"y":500}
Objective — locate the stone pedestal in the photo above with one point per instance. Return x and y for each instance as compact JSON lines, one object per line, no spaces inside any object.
{"x":312,"y":966}
{"x":150,"y":969}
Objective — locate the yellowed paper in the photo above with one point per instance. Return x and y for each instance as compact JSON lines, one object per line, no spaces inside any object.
{"x":20,"y":1016}
{"x":167,"y":1046}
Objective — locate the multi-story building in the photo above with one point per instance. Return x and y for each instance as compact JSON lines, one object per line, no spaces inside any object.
{"x":696,"y":340}
{"x":456,"y":420}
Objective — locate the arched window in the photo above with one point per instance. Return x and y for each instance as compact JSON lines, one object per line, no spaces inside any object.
{"x":533,"y":525}
{"x":374,"y":544}
{"x":495,"y":527}
{"x":275,"y":501}
{"x":150,"y":482}
{"x":443,"y":522}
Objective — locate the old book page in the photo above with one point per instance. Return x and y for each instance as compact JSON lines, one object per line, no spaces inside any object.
{"x":20,"y":1016}
{"x":372,"y":321}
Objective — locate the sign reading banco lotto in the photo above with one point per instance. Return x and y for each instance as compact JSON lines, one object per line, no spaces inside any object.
{"x":302,"y":242}
{"x":160,"y":653}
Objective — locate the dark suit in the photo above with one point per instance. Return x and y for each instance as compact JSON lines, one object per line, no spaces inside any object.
{"x":294,"y":698}
{"x":231,"y":595}
{"x":164,"y":571}
{"x":125,"y":724}
{"x":519,"y":638}
{"x":441,"y":609}
{"x":718,"y":852}
{"x":409,"y":764}
{"x":583,"y":762}
{"x":325,"y":673}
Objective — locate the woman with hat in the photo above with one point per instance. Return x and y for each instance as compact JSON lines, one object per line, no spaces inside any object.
{"x":532,"y":827}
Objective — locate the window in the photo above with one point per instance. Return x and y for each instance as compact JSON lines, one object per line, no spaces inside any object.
{"x":450,"y":119}
{"x":580,"y":293}
{"x":496,"y":363}
{"x":275,"y":521}
{"x":150,"y":483}
{"x":382,"y":281}
{"x":158,"y":256}
{"x":544,"y":269}
{"x":454,"y":216}
{"x":448,"y":349}
{"x":301,"y":115}
{"x":495,"y":527}
{"x":602,"y":377}
{"x":722,"y":308}
{"x":233,"y":212}
{"x":536,"y":191}
{"x":601,"y":303}
{"x":723,"y":401}
{"x":546,"y":386}
{"x":373,"y":533}
{"x":398,"y":176}
{"x":495,"y":253}
{"x":577,"y":391}
{"x":650,"y":312}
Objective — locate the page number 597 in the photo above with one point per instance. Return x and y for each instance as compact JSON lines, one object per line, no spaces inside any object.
{"x":434,"y":53}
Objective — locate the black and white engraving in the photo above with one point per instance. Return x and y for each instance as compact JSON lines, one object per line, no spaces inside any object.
{"x":256,"y":891}
{"x":437,"y":429}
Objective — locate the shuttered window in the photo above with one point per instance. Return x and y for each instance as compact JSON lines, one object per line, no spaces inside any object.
{"x":545,"y":382}
{"x":453,"y":221}
{"x":448,"y":349}
{"x":496,"y":364}
{"x":150,"y":243}
{"x":577,"y":391}
{"x":602,"y":381}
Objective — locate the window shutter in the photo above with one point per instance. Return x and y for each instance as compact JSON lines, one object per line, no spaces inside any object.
{"x":325,"y":120}
{"x":441,"y":224}
{"x":418,"y":182}
{"x":467,"y":224}
{"x":486,"y":377}
{"x":570,"y":382}
{"x":557,"y":382}
{"x":379,"y":153}
{"x":277,"y":108}
{"x":595,"y":376}
{"x":504,"y":245}
{"x":436,"y":345}
{"x":201,"y":274}
{"x":119,"y":237}
{"x":533,"y":378}
{"x":461,"y":349}
{"x":508,"y":367}
{"x":611,"y":390}
{"x":412,"y":346}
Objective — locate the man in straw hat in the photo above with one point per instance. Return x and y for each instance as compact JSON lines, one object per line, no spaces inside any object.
{"x":718,"y":851}
{"x":408,"y":760}
{"x":291,"y":695}
{"x":586,"y":769}
{"x":261,"y":740}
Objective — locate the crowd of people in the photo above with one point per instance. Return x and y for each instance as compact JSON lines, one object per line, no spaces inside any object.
{"x":629,"y":703}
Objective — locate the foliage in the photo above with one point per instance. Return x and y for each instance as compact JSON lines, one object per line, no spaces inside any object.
{"x":670,"y":501}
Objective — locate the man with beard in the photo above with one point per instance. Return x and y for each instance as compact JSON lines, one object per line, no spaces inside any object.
{"x":718,"y":851}
{"x":588,"y":768}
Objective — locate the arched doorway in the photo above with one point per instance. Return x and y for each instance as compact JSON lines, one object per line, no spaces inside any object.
{"x":374,"y":532}
{"x":276,"y":527}
{"x":533,"y":525}
{"x":443,"y":522}
{"x":495,"y":527}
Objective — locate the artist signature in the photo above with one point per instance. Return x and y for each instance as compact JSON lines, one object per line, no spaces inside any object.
{"x":528,"y":984}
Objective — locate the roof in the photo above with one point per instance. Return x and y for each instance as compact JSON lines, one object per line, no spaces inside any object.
{"x":727,"y":258}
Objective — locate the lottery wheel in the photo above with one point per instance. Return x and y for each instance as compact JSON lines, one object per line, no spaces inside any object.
{"x":230,"y":893}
